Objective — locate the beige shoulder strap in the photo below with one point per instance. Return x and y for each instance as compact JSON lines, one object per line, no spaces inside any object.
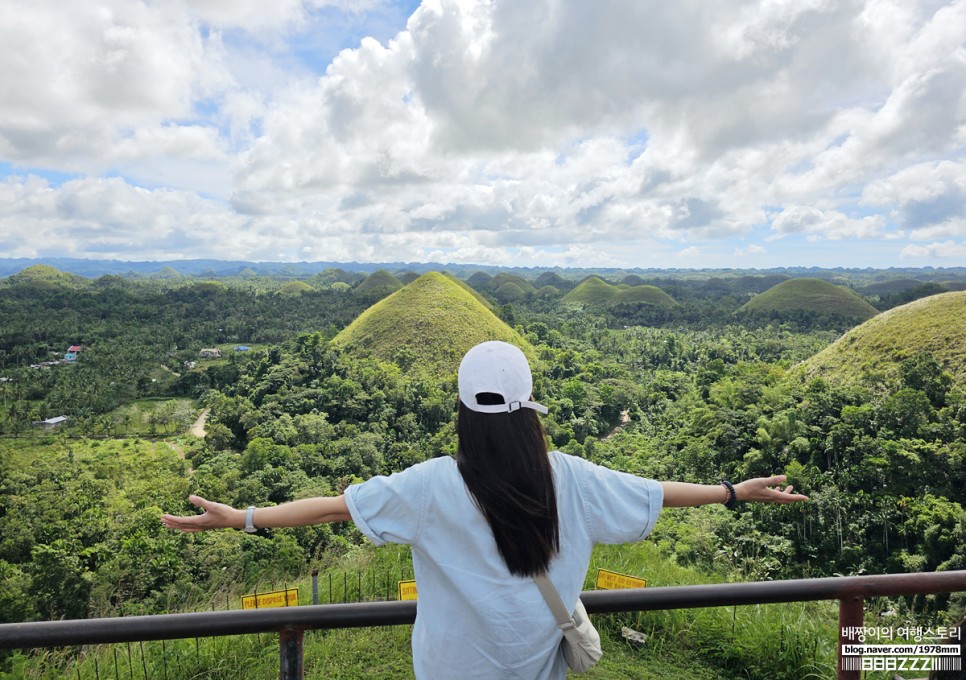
{"x":552,"y":597}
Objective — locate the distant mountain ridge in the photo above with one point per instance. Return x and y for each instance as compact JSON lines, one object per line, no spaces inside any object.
{"x":242,"y":268}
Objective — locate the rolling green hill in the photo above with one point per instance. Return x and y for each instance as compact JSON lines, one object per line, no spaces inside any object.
{"x":874,"y":350}
{"x":407,"y":277}
{"x":479,"y":281}
{"x":632,"y":280}
{"x":595,"y":292}
{"x":891,"y":286}
{"x":809,"y":296}
{"x":510,"y":292}
{"x":378,"y":284}
{"x":651,"y":295}
{"x":296,"y":288}
{"x":327,"y":277}
{"x":42,"y":277}
{"x":431,"y":322}
{"x":592,"y":291}
{"x":550,"y":279}
{"x":504,"y":278}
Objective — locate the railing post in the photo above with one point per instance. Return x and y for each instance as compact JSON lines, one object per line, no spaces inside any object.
{"x":851,"y":617}
{"x":290,"y":655}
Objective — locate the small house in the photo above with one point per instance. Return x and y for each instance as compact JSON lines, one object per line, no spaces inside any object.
{"x":51,"y":423}
{"x":210,"y":353}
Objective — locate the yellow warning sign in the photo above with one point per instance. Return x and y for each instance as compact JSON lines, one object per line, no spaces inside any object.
{"x":611,"y":580}
{"x":277,"y":598}
{"x":407,"y":590}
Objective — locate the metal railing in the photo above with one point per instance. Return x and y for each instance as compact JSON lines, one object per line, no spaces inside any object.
{"x":291,"y":622}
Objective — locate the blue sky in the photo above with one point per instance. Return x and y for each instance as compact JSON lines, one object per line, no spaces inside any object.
{"x":756,"y":133}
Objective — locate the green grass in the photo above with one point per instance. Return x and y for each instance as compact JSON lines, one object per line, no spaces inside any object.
{"x":810,"y":295}
{"x":874,"y":350}
{"x":227,"y":349}
{"x":791,"y":640}
{"x":133,"y":458}
{"x":794,"y":640}
{"x":140,"y":418}
{"x":767,"y":642}
{"x":428,"y":325}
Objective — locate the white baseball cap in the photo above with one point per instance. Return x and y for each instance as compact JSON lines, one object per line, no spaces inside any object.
{"x":498,"y":368}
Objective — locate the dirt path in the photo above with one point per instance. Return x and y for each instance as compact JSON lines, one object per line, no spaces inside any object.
{"x":625,"y":418}
{"x":198,"y":429}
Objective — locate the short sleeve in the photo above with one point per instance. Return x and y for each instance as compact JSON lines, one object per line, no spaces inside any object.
{"x":621,"y":507}
{"x":389,"y":509}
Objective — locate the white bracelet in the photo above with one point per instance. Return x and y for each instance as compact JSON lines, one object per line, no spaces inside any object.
{"x":250,"y":520}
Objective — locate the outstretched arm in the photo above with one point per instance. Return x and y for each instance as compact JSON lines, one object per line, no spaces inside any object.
{"x":761,"y":489}
{"x":294,"y":514}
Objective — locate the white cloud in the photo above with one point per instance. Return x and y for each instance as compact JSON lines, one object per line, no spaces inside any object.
{"x":108,"y":218}
{"x":936,"y":251}
{"x":96,"y":87}
{"x":827,"y":224}
{"x":752,"y":249}
{"x":501,"y":131}
{"x":928,"y":198}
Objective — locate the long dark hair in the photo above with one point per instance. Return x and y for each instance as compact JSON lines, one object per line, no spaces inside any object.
{"x":504,"y":463}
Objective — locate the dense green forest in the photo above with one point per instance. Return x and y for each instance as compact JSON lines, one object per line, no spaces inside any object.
{"x":697,"y":389}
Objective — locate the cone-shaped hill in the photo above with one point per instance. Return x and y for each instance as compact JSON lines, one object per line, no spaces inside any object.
{"x":44,"y":276}
{"x":432,"y":322}
{"x":378,"y":284}
{"x":651,"y":295}
{"x":504,"y":278}
{"x":551,"y":279}
{"x":479,"y":280}
{"x":874,"y":350}
{"x":296,"y":288}
{"x":592,"y":291}
{"x":595,"y":292}
{"x":810,"y":296}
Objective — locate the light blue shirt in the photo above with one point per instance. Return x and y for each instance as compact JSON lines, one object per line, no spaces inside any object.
{"x":474,"y":618}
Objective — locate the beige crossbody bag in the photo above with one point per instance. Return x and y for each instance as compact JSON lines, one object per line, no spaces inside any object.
{"x":581,"y":641}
